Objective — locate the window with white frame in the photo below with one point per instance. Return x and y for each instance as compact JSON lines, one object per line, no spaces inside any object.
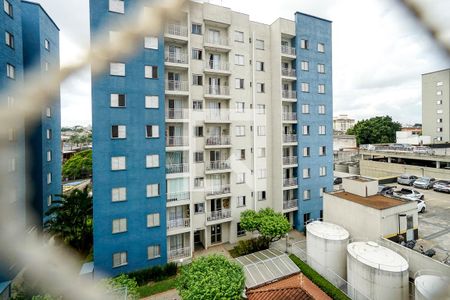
{"x":439,"y":93}
{"x":305,"y":108}
{"x":305,"y":129}
{"x":120,"y":259}
{"x":238,"y":36}
{"x":322,"y":129}
{"x":46,"y":66}
{"x":119,"y":225}
{"x":8,"y":8}
{"x":240,"y":178}
{"x":151,"y":101}
{"x":321,"y":68}
{"x":49,"y":200}
{"x":117,"y":69}
{"x":117,"y":100}
{"x":304,"y":65}
{"x":9,"y":39}
{"x":439,"y":120}
{"x":10,"y":71}
{"x":262,"y":173}
{"x":306,"y":194}
{"x":439,"y":111}
{"x":49,"y":178}
{"x":439,"y":129}
{"x":321,"y":109}
{"x":153,"y":251}
{"x":196,"y":28}
{"x":239,"y":59}
{"x":118,"y":194}
{"x":198,"y":131}
{"x":153,"y":190}
{"x":322,"y":150}
{"x":322,"y":171}
{"x":240,"y":106}
{"x":261,"y":130}
{"x":47,"y":45}
{"x":261,"y":195}
{"x":240,"y":154}
{"x":153,"y":220}
{"x":150,"y":42}
{"x":197,"y":54}
{"x":199,"y":182}
{"x":118,"y":131}
{"x":304,"y":44}
{"x":199,"y":208}
{"x":197,"y":79}
{"x":322,"y":190}
{"x":439,"y":102}
{"x":49,"y":155}
{"x":261,"y":152}
{"x":48,"y":112}
{"x":321,"y":88}
{"x":152,"y":161}
{"x":117,"y":6}
{"x":306,"y":173}
{"x":439,"y":138}
{"x":151,"y":72}
{"x":197,"y":105}
{"x":239,"y":83}
{"x":198,"y":157}
{"x":260,"y":66}
{"x":49,"y":134}
{"x":260,"y":87}
{"x":261,"y":109}
{"x":118,"y":163}
{"x":439,"y":83}
{"x":306,"y":151}
{"x":239,"y":130}
{"x":259,"y":44}
{"x":240,"y":201}
{"x":152,"y":131}
{"x":304,"y":87}
{"x":321,"y":47}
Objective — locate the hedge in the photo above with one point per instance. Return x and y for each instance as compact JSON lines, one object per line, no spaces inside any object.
{"x":156,"y":273}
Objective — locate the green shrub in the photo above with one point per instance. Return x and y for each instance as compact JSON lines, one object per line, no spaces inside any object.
{"x":156,"y":273}
{"x":249,"y":246}
{"x":122,"y":281}
{"x":156,"y":287}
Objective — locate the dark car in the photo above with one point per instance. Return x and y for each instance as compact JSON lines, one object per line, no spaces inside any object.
{"x":442,"y":186}
{"x":337,"y":180}
{"x":386,"y":189}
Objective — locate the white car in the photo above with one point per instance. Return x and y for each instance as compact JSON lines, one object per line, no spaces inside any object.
{"x":421,"y":206}
{"x":409,"y":194}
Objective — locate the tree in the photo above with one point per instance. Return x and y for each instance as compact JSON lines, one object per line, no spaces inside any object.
{"x":117,"y":286}
{"x":78,"y":166}
{"x":211,"y":277}
{"x":377,"y":130}
{"x":270,"y":225}
{"x":70,"y":219}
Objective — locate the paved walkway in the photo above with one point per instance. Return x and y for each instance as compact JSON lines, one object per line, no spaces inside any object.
{"x":169,"y":295}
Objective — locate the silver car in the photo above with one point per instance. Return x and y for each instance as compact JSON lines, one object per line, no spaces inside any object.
{"x":424,"y":183}
{"x":406,"y":179}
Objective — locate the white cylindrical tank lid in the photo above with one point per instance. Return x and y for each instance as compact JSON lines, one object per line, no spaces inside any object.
{"x":327,"y":231}
{"x":376,"y":256}
{"x":433,"y":287}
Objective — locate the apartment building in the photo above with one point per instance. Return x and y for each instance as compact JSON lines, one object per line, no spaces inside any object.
{"x":217,"y":115}
{"x":436,"y":105}
{"x":31,"y":47}
{"x":342,"y":123}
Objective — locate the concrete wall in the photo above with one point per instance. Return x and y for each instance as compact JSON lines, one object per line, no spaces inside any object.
{"x":343,"y":141}
{"x":360,"y":187}
{"x":381,"y":169}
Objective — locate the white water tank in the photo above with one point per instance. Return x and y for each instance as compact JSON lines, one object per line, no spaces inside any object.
{"x":431,"y":286}
{"x":326,"y":246}
{"x":376,"y":272}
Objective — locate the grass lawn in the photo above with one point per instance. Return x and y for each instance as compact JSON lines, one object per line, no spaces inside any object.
{"x":157,"y":287}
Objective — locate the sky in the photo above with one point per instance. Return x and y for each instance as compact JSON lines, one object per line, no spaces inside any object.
{"x":379,"y":52}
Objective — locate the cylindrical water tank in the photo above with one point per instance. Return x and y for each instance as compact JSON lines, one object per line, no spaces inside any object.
{"x":353,"y":169}
{"x":326,"y":246}
{"x":376,"y":272}
{"x":431,"y":285}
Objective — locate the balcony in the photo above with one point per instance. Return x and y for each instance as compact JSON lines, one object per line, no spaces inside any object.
{"x":177,"y":141}
{"x":177,"y":168}
{"x":215,"y":67}
{"x":176,"y":114}
{"x":217,"y":116}
{"x":290,"y":182}
{"x":180,"y":253}
{"x":217,"y":92}
{"x":179,"y":198}
{"x":218,"y":190}
{"x":289,"y":204}
{"x":176,"y":59}
{"x":176,"y":32}
{"x":177,"y":87}
{"x":289,"y":116}
{"x":289,"y":72}
{"x":288,"y":51}
{"x":219,"y":44}
{"x":290,"y":160}
{"x":218,"y":141}
{"x":289,"y":138}
{"x":178,"y":223}
{"x":287,"y":94}
{"x":218,"y":215}
{"x":219,"y":165}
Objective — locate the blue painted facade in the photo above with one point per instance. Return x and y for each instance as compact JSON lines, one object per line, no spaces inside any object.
{"x":314,"y":30}
{"x":134,"y":147}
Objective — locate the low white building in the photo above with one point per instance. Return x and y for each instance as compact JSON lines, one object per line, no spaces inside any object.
{"x":408,"y":137}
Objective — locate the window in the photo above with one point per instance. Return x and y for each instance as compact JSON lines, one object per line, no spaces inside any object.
{"x":322,"y":150}
{"x":439,"y":139}
{"x":305,"y":108}
{"x":322,"y":190}
{"x":151,"y":72}
{"x":12,"y":165}
{"x":198,"y":157}
{"x":152,"y":131}
{"x":261,"y":130}
{"x":321,"y":88}
{"x":46,"y":66}
{"x":199,"y":182}
{"x":439,"y":120}
{"x":153,"y":220}
{"x":150,"y":42}
{"x":117,"y":6}
{"x":239,"y":230}
{"x":49,"y":155}
{"x":260,"y":66}
{"x":262,"y":152}
{"x":240,"y":154}
{"x":153,"y":251}
{"x":49,"y":178}
{"x":321,"y":108}
{"x":306,"y":151}
{"x":9,"y":40}
{"x":261,"y":195}
{"x":321,"y":68}
{"x":260,"y":87}
{"x":117,"y":100}
{"x":152,"y":190}
{"x":304,"y":65}
{"x":8,"y":8}
{"x":261,"y":109}
{"x":306,"y":218}
{"x":197,"y":54}
{"x":120,"y":259}
{"x":240,"y":130}
{"x":196,"y":28}
{"x":118,"y":131}
{"x":198,"y":131}
{"x":240,"y":106}
{"x":304,"y":44}
{"x":439,"y":93}
{"x":239,"y":83}
{"x":49,"y":134}
{"x":322,"y":171}
{"x":118,"y":163}
{"x":119,"y":194}
{"x":117,"y":69}
{"x":305,"y":129}
{"x":239,"y":59}
{"x":197,"y":105}
{"x":439,"y":83}
{"x":259,"y":44}
{"x":151,"y":102}
{"x":305,"y":87}
{"x":11,"y":101}
{"x":10,"y":71}
{"x":322,"y":130}
{"x":49,"y":200}
{"x":439,"y":111}
{"x":199,"y":208}
{"x":240,"y":178}
{"x":240,"y":201}
{"x":152,"y":161}
{"x":12,"y":135}
{"x":306,"y":194}
{"x":321,"y":47}
{"x":262,"y":173}
{"x":119,"y":225}
{"x":439,"y":129}
{"x":48,"y":112}
{"x":197,"y":79}
{"x":439,"y":102}
{"x":306,"y":173}
{"x":239,"y":36}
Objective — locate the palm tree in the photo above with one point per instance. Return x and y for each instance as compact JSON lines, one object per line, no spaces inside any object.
{"x":70,"y":219}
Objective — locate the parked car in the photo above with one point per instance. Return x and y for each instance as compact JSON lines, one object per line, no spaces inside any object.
{"x":406,"y":179}
{"x":423,"y":150}
{"x":442,"y":186}
{"x":409,"y":194}
{"x":386,"y":189}
{"x":421,"y":206}
{"x":337,"y":180}
{"x":424,"y":182}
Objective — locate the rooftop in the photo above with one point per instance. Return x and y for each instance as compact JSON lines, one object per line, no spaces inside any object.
{"x":376,"y":201}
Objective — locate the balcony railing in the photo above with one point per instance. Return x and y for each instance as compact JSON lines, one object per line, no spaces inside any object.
{"x":217,"y":90}
{"x":218,"y":165}
{"x":176,"y":29}
{"x":218,"y":190}
{"x":179,"y":253}
{"x":289,"y":138}
{"x":177,"y":141}
{"x":289,"y":116}
{"x":179,"y":196}
{"x":290,"y":181}
{"x":217,"y":66}
{"x":177,"y":168}
{"x":217,"y":115}
{"x":178,"y":223}
{"x":289,"y":160}
{"x":220,"y":41}
{"x":288,"y":50}
{"x":289,"y":72}
{"x":178,"y":58}
{"x":287,"y":204}
{"x":222,"y":140}
{"x":289,"y":94}
{"x":176,"y":114}
{"x":177,"y":85}
{"x":218,"y":215}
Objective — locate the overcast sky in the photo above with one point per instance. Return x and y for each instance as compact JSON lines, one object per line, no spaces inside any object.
{"x":379,"y":53}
